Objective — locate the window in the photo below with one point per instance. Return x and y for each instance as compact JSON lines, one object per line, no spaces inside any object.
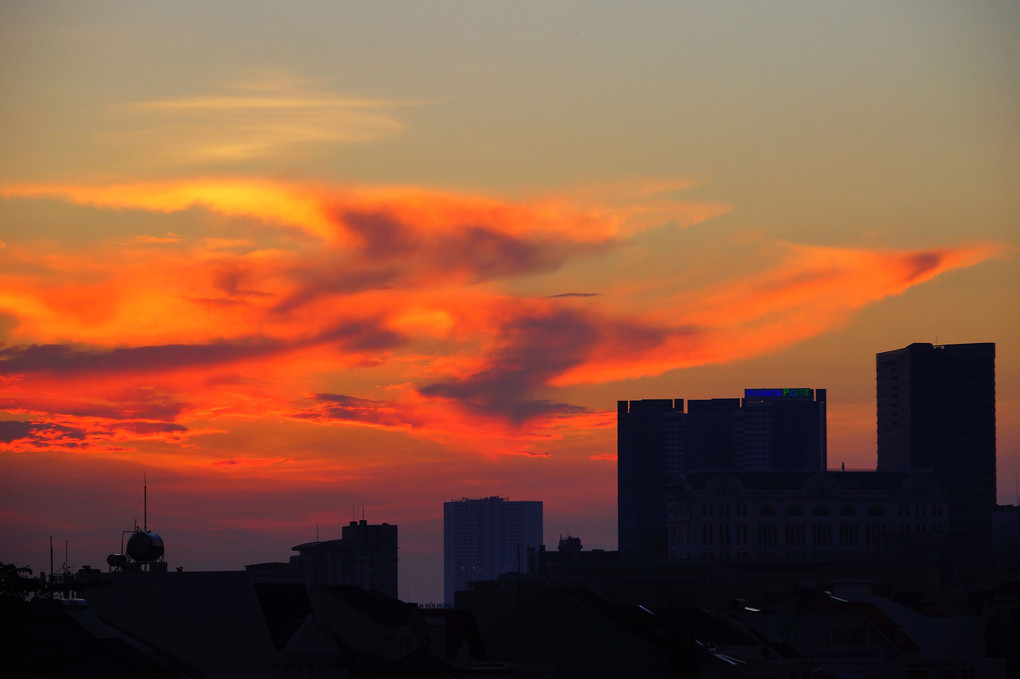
{"x":707,"y":534}
{"x":767,"y":535}
{"x":849,"y":535}
{"x":821,"y":535}
{"x":873,"y":536}
{"x":795,"y":535}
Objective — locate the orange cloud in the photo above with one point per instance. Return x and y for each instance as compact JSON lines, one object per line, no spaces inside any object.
{"x":248,"y":462}
{"x":368,"y":215}
{"x":813,"y":290}
{"x":272,"y":202}
{"x":396,"y":316}
{"x":168,"y":238}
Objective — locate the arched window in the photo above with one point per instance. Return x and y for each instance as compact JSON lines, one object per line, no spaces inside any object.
{"x":875,"y":510}
{"x":848,"y":511}
{"x":794,"y":510}
{"x":821,"y":510}
{"x":767,"y":510}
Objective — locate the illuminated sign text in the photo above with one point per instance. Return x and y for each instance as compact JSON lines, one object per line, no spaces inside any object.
{"x":779,"y":393}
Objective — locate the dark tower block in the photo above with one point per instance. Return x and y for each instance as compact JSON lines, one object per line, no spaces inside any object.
{"x":785,"y":430}
{"x":936,"y":410}
{"x":657,"y":442}
{"x":713,"y":435}
{"x":369,"y":556}
{"x":648,"y":445}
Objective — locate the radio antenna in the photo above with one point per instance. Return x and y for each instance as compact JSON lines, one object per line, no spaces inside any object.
{"x":145,"y":503}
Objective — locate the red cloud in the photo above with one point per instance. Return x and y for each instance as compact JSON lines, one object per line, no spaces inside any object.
{"x":413,"y":300}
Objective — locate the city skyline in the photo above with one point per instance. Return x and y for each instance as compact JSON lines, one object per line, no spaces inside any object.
{"x":287,"y":263}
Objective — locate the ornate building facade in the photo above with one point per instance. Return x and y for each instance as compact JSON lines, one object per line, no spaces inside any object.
{"x":795,"y":516}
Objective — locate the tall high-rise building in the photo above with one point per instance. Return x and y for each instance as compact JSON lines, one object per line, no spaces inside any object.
{"x":649,"y":447}
{"x":487,"y":537}
{"x":714,"y":437}
{"x":785,"y":430}
{"x":767,"y":430}
{"x":936,"y":410}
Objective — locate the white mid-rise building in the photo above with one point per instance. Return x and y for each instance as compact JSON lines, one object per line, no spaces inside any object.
{"x":487,"y":537}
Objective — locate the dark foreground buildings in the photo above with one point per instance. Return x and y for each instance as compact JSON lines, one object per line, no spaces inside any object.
{"x":776,"y":567}
{"x":936,"y":411}
{"x":265,"y":625}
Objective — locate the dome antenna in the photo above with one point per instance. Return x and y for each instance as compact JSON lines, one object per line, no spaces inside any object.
{"x":145,"y":550}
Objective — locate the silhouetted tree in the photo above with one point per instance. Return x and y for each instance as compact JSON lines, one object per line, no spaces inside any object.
{"x":15,"y":583}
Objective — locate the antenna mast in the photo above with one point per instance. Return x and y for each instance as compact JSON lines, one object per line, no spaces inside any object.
{"x":145,"y":503}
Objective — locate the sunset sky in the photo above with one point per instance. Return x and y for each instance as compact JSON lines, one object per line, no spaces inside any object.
{"x":291,"y":262}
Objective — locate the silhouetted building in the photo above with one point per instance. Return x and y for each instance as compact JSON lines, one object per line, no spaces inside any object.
{"x":1006,"y":537}
{"x":784,"y":430}
{"x":713,"y":437}
{"x":784,"y":517}
{"x":936,"y":410}
{"x":569,"y":545}
{"x":365,"y":555}
{"x":649,"y":436}
{"x":767,"y":430}
{"x":486,"y":537}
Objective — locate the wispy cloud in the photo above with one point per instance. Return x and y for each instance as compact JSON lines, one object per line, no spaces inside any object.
{"x":332,"y":408}
{"x":809,"y":291}
{"x":156,"y":240}
{"x":257,"y":120}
